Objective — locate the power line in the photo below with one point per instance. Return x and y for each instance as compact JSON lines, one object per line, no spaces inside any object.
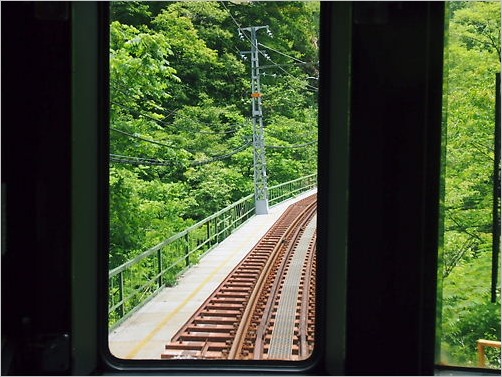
{"x":230,"y":14}
{"x":157,"y":162}
{"x":232,"y":129}
{"x":217,"y":132}
{"x":312,"y":88}
{"x":152,"y":141}
{"x":282,"y":53}
{"x":274,"y":64}
{"x":142,"y":138}
{"x":292,"y":146}
{"x":226,"y":155}
{"x":160,"y":122}
{"x":115,"y":87}
{"x":239,"y":26}
{"x":157,"y":142}
{"x":256,"y":113}
{"x":139,"y":160}
{"x":222,"y":157}
{"x":271,"y":133}
{"x":298,"y":61}
{"x":287,"y":65}
{"x":243,"y":35}
{"x":163,"y":123}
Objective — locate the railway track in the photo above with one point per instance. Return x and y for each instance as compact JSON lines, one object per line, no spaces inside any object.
{"x":265,"y":308}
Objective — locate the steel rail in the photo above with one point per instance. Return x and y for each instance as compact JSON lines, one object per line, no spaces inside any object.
{"x":220,"y":327}
{"x":308,"y":292}
{"x":297,"y":228}
{"x":281,"y":334}
{"x":241,"y":335}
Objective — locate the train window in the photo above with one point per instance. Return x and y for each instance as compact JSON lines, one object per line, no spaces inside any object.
{"x":212,"y":180}
{"x":468,"y":319}
{"x":165,"y":156}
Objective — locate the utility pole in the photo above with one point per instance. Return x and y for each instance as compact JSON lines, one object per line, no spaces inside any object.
{"x":260,"y":163}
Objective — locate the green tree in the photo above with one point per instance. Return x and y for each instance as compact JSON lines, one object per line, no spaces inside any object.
{"x":180,"y":99}
{"x":474,"y":58}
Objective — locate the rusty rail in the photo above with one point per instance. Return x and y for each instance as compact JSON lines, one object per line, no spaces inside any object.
{"x":262,"y":323}
{"x":243,"y":308}
{"x":135,"y":282}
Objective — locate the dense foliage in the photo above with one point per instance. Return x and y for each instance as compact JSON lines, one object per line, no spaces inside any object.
{"x":181,"y":130}
{"x":473,"y":59}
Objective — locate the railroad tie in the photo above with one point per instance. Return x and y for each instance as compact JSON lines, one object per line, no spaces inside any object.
{"x":281,"y":342}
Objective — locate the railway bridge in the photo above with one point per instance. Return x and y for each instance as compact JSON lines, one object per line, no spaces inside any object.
{"x":252,"y":296}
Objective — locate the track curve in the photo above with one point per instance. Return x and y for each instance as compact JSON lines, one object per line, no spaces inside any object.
{"x":265,"y":308}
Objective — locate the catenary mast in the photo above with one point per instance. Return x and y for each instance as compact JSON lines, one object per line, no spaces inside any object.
{"x":260,"y":163}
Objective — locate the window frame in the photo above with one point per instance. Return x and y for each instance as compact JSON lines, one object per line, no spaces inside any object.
{"x":341,"y":184}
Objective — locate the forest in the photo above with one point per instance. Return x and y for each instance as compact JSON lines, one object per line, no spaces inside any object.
{"x":472,"y":59}
{"x":181,"y":130}
{"x":181,"y":133}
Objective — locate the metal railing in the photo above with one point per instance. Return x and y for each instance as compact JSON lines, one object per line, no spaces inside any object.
{"x":135,"y":282}
{"x":284,"y":191}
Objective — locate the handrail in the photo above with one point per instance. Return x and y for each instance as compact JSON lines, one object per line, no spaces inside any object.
{"x":176,"y":237}
{"x":284,"y":191}
{"x":482,"y":343}
{"x":136,"y":281}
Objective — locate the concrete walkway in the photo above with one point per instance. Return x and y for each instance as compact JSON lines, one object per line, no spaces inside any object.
{"x":145,"y":334}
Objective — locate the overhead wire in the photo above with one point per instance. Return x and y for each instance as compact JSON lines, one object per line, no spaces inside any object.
{"x":224,"y":156}
{"x":282,"y":53}
{"x":114,"y":86}
{"x":151,"y":141}
{"x":308,"y":86}
{"x":158,"y":121}
{"x":144,"y":139}
{"x":157,"y":162}
{"x":216,"y":132}
{"x":154,"y":141}
{"x":270,"y":48}
{"x":306,"y":135}
{"x":274,"y":64}
{"x":235,"y":126}
{"x":285,"y":65}
{"x":230,"y":14}
{"x":162,"y":123}
{"x":292,"y":146}
{"x":139,"y":160}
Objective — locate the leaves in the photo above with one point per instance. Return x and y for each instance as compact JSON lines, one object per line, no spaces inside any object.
{"x":473,"y":60}
{"x":180,"y":97}
{"x":478,"y":29}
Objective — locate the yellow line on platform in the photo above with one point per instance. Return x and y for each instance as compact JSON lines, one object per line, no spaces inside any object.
{"x":166,"y":319}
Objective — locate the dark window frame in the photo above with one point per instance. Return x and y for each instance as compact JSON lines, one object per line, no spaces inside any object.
{"x":357,"y":181}
{"x":343,"y":190}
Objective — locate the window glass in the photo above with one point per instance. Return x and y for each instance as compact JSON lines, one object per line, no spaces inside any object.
{"x":213,"y":110}
{"x":469,"y":290}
